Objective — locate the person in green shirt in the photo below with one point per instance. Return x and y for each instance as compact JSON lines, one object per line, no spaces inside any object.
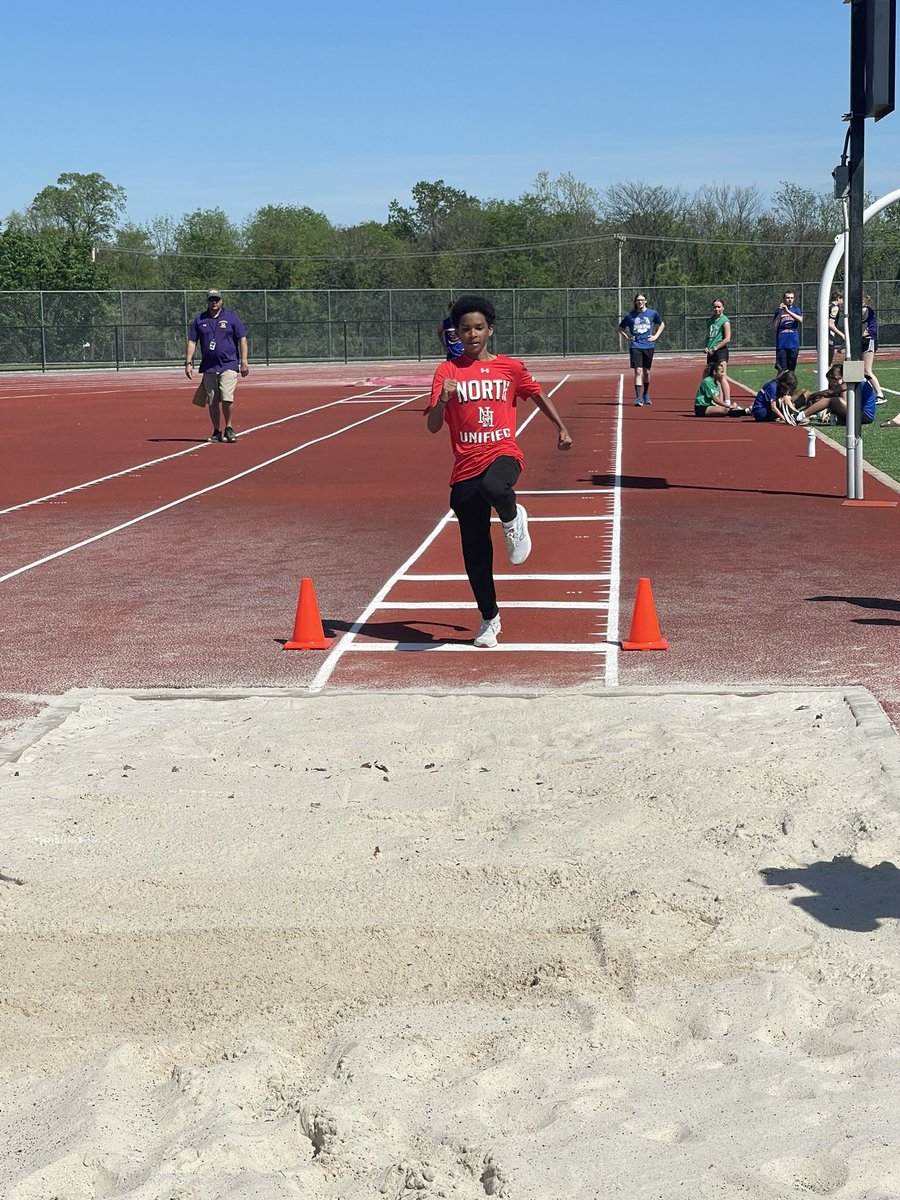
{"x":718,"y":339}
{"x":709,"y":401}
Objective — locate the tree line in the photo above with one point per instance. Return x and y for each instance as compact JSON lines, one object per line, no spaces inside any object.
{"x":75,"y":235}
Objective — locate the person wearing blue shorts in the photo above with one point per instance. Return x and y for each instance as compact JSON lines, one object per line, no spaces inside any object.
{"x":642,"y":326}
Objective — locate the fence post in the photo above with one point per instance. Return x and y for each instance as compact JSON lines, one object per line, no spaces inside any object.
{"x":419,"y":338}
{"x":684,"y":341}
{"x":117,"y":343}
{"x":43,"y":334}
{"x":735,"y":327}
{"x":565,"y":333}
{"x":344,"y":323}
{"x":266,"y":320}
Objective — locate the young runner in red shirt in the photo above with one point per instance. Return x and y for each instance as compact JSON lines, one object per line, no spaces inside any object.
{"x":476,"y":395}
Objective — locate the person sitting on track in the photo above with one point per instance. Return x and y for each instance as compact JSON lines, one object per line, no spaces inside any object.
{"x":477,"y":394}
{"x":830,"y":405}
{"x":709,"y":401}
{"x":775,"y":400}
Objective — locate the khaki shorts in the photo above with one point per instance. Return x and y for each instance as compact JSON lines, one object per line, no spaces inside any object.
{"x":220,"y":385}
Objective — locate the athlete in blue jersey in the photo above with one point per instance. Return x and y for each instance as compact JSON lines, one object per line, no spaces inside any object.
{"x":831,"y":404}
{"x":775,"y":400}
{"x":787,"y":320}
{"x":642,"y":326}
{"x":870,"y":345}
{"x":449,"y":339}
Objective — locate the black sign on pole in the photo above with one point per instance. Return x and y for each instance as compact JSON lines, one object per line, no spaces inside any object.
{"x":881,"y":57}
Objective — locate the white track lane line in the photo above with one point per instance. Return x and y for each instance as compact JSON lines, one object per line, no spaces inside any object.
{"x":611,"y":672}
{"x":469,"y":648}
{"x":466,"y":605}
{"x":193,"y":495}
{"x":595,"y":578}
{"x":178,"y":454}
{"x":334,"y":655}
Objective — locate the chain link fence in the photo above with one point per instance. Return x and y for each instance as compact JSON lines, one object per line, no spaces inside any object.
{"x":53,"y":330}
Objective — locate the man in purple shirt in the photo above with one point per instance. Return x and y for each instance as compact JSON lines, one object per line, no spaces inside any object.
{"x":223,"y":352}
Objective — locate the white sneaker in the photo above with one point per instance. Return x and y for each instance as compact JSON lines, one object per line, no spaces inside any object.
{"x":518,"y":540}
{"x":487,"y":632}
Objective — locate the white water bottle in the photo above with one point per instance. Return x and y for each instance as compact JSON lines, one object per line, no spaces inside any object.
{"x":810,"y":443}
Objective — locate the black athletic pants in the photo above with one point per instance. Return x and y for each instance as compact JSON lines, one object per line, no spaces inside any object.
{"x":472,"y":501}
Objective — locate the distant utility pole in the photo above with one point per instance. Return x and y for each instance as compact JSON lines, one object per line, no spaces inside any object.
{"x":620,"y":238}
{"x":873,"y":26}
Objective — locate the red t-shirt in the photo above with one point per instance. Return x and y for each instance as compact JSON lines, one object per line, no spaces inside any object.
{"x":481,"y":416}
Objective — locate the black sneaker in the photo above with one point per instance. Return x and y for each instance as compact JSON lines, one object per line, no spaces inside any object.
{"x":230,"y":435}
{"x":215,"y":436}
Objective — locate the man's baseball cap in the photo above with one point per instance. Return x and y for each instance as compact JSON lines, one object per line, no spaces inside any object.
{"x":213,"y":294}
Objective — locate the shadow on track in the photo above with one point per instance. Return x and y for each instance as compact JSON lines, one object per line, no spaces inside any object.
{"x":658,"y":482}
{"x":864,"y":602}
{"x":397,"y":631}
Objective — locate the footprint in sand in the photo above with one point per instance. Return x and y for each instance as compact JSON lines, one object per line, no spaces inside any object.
{"x":822,"y":1175}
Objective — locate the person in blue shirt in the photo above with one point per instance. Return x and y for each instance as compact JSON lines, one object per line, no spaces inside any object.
{"x":642,"y":326}
{"x":787,"y":320}
{"x":831,"y":404}
{"x":774,"y":400}
{"x":870,"y":345}
{"x":448,"y":337}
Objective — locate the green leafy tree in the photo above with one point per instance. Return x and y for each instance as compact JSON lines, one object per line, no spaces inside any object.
{"x":371,"y":255}
{"x":206,"y":250}
{"x":431,"y":216}
{"x":79,"y":204}
{"x":35,"y":262}
{"x":132,"y":260}
{"x":285,"y":247}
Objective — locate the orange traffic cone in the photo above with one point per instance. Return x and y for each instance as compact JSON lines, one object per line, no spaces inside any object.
{"x":308,"y":631}
{"x":645,"y":634}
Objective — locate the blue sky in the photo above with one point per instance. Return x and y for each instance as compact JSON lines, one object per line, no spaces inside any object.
{"x":343,"y":106}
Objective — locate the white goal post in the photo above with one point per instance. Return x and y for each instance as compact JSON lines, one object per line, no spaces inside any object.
{"x":825,"y":288}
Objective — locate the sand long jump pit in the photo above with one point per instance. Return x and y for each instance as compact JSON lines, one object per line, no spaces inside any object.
{"x":269,"y":946}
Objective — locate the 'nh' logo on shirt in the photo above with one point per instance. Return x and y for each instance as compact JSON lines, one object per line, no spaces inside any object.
{"x":486,"y":416}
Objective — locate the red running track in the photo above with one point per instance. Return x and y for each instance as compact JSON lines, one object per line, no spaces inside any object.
{"x":133,"y":555}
